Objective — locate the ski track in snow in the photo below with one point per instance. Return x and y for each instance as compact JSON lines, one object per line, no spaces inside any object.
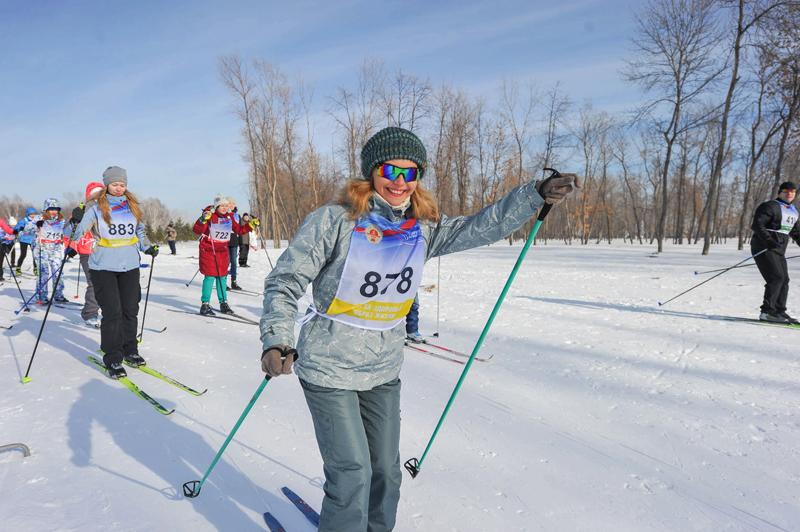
{"x":599,"y":411}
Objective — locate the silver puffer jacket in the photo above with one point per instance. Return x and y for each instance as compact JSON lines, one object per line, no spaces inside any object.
{"x":336,"y":355}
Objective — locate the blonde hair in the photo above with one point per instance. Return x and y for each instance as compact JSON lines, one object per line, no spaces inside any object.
{"x":355,"y":196}
{"x":105,"y":208}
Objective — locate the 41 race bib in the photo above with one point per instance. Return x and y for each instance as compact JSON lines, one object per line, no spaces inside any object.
{"x":788,"y":218}
{"x":381,"y":274}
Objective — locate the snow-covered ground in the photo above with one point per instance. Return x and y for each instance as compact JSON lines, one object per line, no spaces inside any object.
{"x":599,"y":411}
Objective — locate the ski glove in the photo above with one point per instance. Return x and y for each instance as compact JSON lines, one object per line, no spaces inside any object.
{"x":152,"y":251}
{"x":70,"y":252}
{"x":255,"y":222}
{"x":206,"y":216}
{"x":278,"y":360}
{"x":77,"y":215}
{"x":555,"y":188}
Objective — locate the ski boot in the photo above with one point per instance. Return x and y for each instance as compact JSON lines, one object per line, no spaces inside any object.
{"x":415,"y":337}
{"x":225,"y":308}
{"x":235,"y":286}
{"x":93,"y":322}
{"x":205,"y":310}
{"x":788,"y":318}
{"x":134,"y":360}
{"x":18,"y":271}
{"x":116,"y":370}
{"x":61,"y":299}
{"x":772,"y":318}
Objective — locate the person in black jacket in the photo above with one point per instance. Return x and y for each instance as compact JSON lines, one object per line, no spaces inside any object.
{"x":774,"y":222}
{"x":233,"y":246}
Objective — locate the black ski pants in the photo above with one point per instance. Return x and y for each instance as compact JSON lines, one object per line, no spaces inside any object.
{"x":23,"y":252}
{"x":118,"y":294}
{"x":244,"y":251}
{"x":775,"y":272}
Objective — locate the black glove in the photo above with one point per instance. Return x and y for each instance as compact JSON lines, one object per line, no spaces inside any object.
{"x":772,"y":244}
{"x":40,"y":223}
{"x":70,"y":252}
{"x":77,"y":215}
{"x":152,"y":251}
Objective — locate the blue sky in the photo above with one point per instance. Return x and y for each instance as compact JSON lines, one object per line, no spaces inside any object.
{"x":87,"y":84}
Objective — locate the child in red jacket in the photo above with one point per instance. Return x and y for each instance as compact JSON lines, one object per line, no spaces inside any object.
{"x":84,"y":246}
{"x":215,"y":227}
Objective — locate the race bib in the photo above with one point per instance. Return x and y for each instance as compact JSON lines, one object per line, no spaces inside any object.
{"x":122,"y":229}
{"x":52,"y":232}
{"x":381,"y":275}
{"x":221,"y":230}
{"x":788,"y":218}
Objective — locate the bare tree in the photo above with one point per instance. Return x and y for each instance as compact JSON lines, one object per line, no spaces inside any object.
{"x":675,"y":61}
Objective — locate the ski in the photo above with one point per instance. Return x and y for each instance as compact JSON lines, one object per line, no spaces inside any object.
{"x":428,"y":352}
{"x":245,"y":292}
{"x":129,"y":384}
{"x":238,"y":316}
{"x":273,"y":524}
{"x":169,"y":380}
{"x":6,"y":327}
{"x":457,"y":353}
{"x":216,"y":316}
{"x":300,"y":504}
{"x":756,"y":321}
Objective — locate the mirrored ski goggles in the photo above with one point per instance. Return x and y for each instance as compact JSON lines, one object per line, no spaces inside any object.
{"x":392,"y":172}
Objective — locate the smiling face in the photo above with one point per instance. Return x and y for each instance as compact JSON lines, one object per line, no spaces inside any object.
{"x":117,"y":189}
{"x":398,"y":191}
{"x":223,"y":208}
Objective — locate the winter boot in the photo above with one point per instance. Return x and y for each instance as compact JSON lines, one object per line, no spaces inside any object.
{"x":225,"y":308}
{"x":116,"y":371}
{"x":772,"y":318}
{"x":788,"y":318}
{"x":235,"y":286}
{"x":134,"y":360}
{"x":205,"y":310}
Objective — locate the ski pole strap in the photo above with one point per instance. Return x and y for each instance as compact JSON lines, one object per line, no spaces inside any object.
{"x":192,"y":488}
{"x":413,"y":466}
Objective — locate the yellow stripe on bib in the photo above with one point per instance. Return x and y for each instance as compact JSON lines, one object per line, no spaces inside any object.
{"x":117,"y":242}
{"x":371,"y":310}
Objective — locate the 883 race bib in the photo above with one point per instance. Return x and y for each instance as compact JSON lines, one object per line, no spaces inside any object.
{"x":381,"y":274}
{"x":122,"y":229}
{"x":221,"y":230}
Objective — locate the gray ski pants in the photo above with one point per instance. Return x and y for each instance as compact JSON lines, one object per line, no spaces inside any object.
{"x":358,"y":433}
{"x":90,"y":307}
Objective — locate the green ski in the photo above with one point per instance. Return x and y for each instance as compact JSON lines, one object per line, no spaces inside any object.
{"x":161,"y":409}
{"x":169,"y":380}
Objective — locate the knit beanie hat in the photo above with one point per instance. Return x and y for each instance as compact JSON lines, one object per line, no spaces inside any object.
{"x":115,"y":174}
{"x":219,"y":199}
{"x":787,"y":185}
{"x":92,"y":188}
{"x":392,"y":143}
{"x":51,"y":203}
